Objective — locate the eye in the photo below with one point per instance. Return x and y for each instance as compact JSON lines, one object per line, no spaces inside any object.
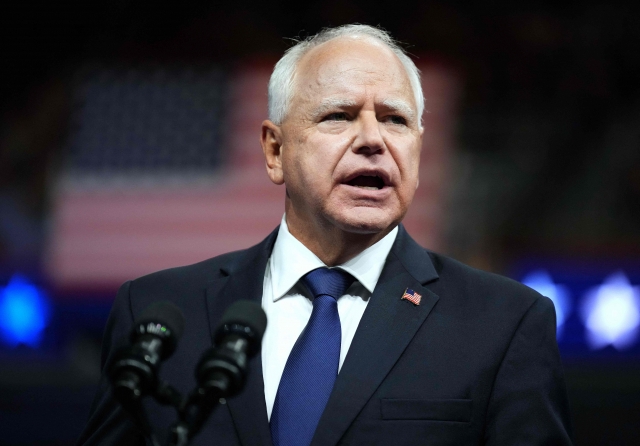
{"x":396,"y":119}
{"x":338,"y":116}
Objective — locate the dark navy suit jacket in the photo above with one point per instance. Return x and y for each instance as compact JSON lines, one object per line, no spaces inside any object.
{"x":475,"y":363}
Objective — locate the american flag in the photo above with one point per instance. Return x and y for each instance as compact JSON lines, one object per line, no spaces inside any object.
{"x":412,"y":296}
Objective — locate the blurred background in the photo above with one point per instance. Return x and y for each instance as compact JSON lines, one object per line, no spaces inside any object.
{"x":129,"y":143}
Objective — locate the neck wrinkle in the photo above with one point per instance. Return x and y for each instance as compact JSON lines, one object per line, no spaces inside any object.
{"x":332,"y":245}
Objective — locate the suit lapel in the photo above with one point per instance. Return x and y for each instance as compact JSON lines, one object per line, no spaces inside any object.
{"x":244,"y":280}
{"x":385,"y":330}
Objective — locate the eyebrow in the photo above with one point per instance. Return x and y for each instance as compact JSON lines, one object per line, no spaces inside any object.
{"x":332,"y":104}
{"x":401,"y":107}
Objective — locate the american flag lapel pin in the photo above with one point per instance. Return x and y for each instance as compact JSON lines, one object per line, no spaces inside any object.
{"x":412,"y":296}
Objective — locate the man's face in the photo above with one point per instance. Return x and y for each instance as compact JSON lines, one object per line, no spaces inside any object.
{"x":350,"y":144}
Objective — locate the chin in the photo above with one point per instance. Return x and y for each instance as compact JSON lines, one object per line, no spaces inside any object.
{"x":366,"y":221}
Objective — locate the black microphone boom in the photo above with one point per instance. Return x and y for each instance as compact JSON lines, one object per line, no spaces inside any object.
{"x":155,"y":334}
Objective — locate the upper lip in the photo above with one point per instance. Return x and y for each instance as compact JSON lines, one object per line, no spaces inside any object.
{"x":386,"y":178}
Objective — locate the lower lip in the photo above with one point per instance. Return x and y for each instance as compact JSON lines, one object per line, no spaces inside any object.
{"x":361,"y":192}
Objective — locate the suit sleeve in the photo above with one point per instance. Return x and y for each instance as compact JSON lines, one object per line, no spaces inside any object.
{"x":108,"y":423}
{"x":528,"y":404}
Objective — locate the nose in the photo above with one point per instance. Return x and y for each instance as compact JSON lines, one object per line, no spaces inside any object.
{"x":368,"y":139}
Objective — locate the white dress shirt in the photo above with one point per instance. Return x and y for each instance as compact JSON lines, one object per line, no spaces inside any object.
{"x":288,"y":305}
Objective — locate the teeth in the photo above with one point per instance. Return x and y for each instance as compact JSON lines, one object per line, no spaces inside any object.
{"x":368,"y":187}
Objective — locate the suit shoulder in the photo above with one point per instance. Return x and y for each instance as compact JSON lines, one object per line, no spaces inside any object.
{"x":200,"y":272}
{"x":187,"y":284}
{"x":181,"y":285}
{"x":470,"y":281}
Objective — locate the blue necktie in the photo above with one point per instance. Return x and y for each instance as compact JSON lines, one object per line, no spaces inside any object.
{"x":312,"y":366}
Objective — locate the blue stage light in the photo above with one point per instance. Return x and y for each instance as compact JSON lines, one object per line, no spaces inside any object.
{"x":542,"y":282}
{"x":24,"y":312}
{"x":611,"y":313}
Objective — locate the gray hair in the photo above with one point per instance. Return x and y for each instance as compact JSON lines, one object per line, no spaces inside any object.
{"x":281,"y":84}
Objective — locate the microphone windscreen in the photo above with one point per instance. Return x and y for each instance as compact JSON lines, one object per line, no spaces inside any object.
{"x":165,"y":313}
{"x":248,"y":313}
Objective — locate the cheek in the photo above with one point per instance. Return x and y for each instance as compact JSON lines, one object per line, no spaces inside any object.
{"x":410,"y":162}
{"x":410,"y":169}
{"x":305,"y":171}
{"x":323,"y":153}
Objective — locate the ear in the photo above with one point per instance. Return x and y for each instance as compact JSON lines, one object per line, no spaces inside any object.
{"x":271,"y":141}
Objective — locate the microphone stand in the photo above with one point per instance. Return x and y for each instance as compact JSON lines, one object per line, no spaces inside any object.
{"x":198,"y":406}
{"x":192,"y":411}
{"x":218,"y":377}
{"x":141,"y":419}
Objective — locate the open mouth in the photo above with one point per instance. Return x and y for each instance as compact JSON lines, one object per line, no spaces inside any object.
{"x":369,"y":182}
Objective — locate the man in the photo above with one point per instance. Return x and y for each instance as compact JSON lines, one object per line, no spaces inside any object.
{"x":428,"y":351}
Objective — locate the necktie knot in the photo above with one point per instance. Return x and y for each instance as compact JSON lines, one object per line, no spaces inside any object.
{"x":330,"y":282}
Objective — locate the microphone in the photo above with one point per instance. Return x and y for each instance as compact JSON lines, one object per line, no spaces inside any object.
{"x":154,"y":337}
{"x":222,"y":370}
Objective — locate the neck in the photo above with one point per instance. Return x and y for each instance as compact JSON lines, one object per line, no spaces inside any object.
{"x":331,"y":244}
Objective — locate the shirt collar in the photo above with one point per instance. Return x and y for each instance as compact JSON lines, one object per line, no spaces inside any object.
{"x":290,"y":260}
